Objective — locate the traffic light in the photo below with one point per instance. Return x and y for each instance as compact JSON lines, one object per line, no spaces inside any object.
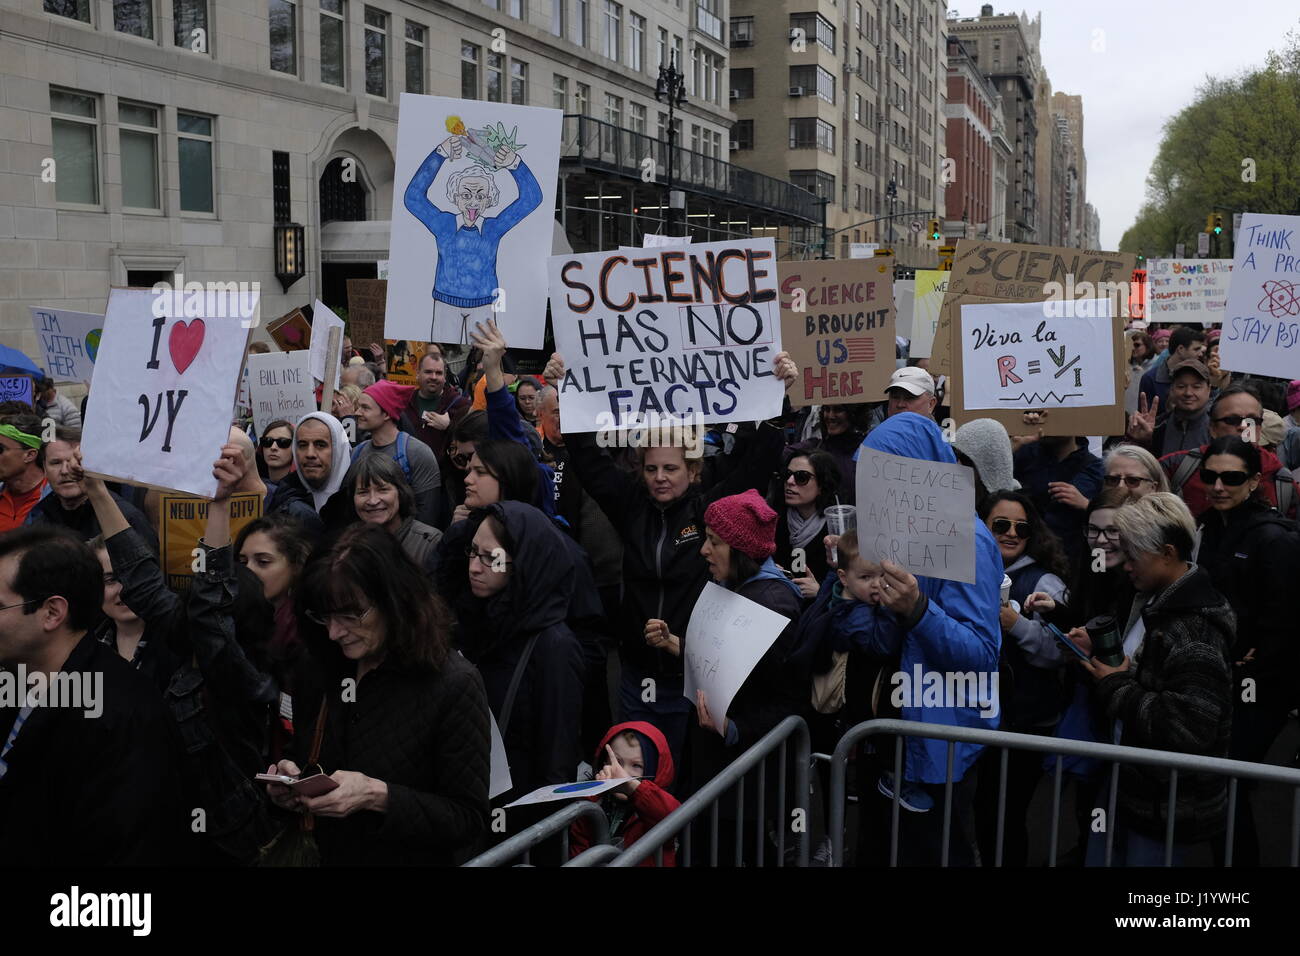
{"x":935,"y":233}
{"x":1209,"y":222}
{"x":1218,"y":225}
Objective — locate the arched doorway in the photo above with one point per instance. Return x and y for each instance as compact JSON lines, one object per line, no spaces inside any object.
{"x":355,"y":201}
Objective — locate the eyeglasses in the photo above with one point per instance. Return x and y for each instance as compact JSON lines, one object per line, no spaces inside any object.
{"x":1236,"y":420}
{"x":1230,"y":479}
{"x":347,"y":620}
{"x":492,"y":560}
{"x":19,"y":604}
{"x":1130,"y":481}
{"x":1003,"y":525}
{"x":277,"y":442}
{"x":1110,"y":534}
{"x":800,"y":477}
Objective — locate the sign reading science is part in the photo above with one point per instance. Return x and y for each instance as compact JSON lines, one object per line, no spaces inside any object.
{"x":165,"y":381}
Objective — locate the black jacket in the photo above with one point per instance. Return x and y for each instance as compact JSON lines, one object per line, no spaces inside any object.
{"x":290,"y":496}
{"x":663,"y":570}
{"x":82,"y":521}
{"x":101,"y":791}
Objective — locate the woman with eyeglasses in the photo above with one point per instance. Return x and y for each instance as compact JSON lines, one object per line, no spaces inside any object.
{"x":465,"y":436}
{"x":382,"y":496}
{"x":808,"y":485}
{"x":405,"y":732}
{"x":1134,"y":470}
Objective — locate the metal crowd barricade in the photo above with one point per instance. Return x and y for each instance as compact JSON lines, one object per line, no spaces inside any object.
{"x":521,"y":844}
{"x":1006,"y":741}
{"x":707,"y":798}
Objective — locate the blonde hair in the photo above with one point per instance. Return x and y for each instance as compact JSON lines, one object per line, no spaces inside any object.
{"x":1149,"y":523}
{"x":1144,"y":458}
{"x":353,"y":392}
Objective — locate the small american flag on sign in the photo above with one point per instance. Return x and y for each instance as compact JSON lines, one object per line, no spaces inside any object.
{"x":861,"y":350}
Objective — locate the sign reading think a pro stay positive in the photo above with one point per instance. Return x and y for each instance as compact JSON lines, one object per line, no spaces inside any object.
{"x":69,"y":341}
{"x":837,"y":323}
{"x":1261,"y":326}
{"x":920,"y":514}
{"x":685,"y":333}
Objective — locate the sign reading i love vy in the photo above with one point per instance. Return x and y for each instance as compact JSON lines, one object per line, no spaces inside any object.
{"x":163,"y":391}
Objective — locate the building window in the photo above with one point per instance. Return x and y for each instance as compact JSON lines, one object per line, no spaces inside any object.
{"x":742,"y":84}
{"x":581,"y":19}
{"x":283,"y":26}
{"x":190,"y":25}
{"x":496,"y":64}
{"x":340,"y":200}
{"x":469,"y":54}
{"x":821,"y":185}
{"x":73,"y":9}
{"x":857,"y":17}
{"x":134,"y":17}
{"x":613,"y":110}
{"x":613,"y":29}
{"x":811,"y":133}
{"x":518,"y":83}
{"x":281,"y":199}
{"x":857,"y":107}
{"x":559,"y":9}
{"x":663,"y":47}
{"x":637,"y":40}
{"x":560,"y":92}
{"x":637,"y":118}
{"x":333,"y":42}
{"x":582,"y":100}
{"x":194,"y":149}
{"x":742,"y":31}
{"x":679,"y":59}
{"x":138,"y":132}
{"x":74,"y":123}
{"x":414,"y":57}
{"x":376,"y":52}
{"x":517,"y":9}
{"x":742,"y":135}
{"x":815,"y":27}
{"x":811,"y":78}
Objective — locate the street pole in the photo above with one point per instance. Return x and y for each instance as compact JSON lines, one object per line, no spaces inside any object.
{"x":672,"y":84}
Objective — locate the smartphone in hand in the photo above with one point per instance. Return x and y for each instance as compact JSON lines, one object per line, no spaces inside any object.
{"x":313,"y":786}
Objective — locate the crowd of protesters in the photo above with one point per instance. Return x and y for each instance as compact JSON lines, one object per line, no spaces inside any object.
{"x":439,"y":565}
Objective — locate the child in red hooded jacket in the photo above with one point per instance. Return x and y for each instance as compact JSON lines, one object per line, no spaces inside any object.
{"x":639,"y":751}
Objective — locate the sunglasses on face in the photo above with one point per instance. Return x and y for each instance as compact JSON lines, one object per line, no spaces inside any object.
{"x":1003,"y":525}
{"x":800,"y":477}
{"x":1130,"y":481}
{"x":1230,"y":479}
{"x":1236,"y":420}
{"x":277,"y":442}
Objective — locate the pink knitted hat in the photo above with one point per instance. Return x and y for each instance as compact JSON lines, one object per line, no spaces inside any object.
{"x":390,"y":396}
{"x":745,"y":522}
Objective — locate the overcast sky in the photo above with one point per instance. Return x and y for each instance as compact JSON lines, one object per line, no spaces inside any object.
{"x":1150,"y":68}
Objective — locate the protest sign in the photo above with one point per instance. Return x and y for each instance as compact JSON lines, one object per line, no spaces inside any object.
{"x":904,"y":305}
{"x":1187,"y":290}
{"x":1015,"y":356}
{"x":990,"y":272}
{"x":164,"y":388}
{"x":323,"y":320}
{"x":18,"y":388}
{"x":366,"y":299}
{"x":499,"y":766}
{"x":473,"y":219}
{"x":919,"y":514}
{"x":1261,"y":326}
{"x":404,"y":360}
{"x":837,"y":323}
{"x":291,"y":332}
{"x":725,"y":638}
{"x":280,"y":386}
{"x":69,"y":340}
{"x":568,"y":791}
{"x":686,"y":333}
{"x":653,"y":240}
{"x":927,"y":300}
{"x":182,"y":520}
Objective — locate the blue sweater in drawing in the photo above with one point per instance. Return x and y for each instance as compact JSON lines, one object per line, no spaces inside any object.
{"x":467,"y":255}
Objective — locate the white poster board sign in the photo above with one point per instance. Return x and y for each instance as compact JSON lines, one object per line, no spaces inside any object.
{"x":686,"y":334}
{"x":725,"y":639}
{"x":904,"y":305}
{"x":69,"y":342}
{"x":862,"y":250}
{"x":1187,"y":291}
{"x":927,"y":299}
{"x":568,"y":791}
{"x":165,"y":381}
{"x":1261,"y":327}
{"x":1057,"y":354}
{"x":499,"y":775}
{"x":280,"y":386}
{"x":472,"y":220}
{"x":919,"y":514}
{"x":322,"y":320}
{"x":653,"y":240}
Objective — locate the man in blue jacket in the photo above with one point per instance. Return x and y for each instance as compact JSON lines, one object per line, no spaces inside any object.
{"x":949,"y":629}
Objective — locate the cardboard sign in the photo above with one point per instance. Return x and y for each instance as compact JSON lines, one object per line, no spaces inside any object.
{"x":920,"y":514}
{"x":69,"y":341}
{"x":687,"y":334}
{"x":1261,"y":327}
{"x":725,"y":639}
{"x":291,"y":332}
{"x":473,"y":219}
{"x":1014,"y":355}
{"x":568,"y":791}
{"x":18,"y":388}
{"x":837,"y":323}
{"x":323,"y":320}
{"x":366,"y":299}
{"x":927,"y":300}
{"x":1187,"y":290}
{"x":182,"y":519}
{"x":163,"y":390}
{"x":986,"y":273}
{"x":404,"y":360}
{"x":280,"y":386}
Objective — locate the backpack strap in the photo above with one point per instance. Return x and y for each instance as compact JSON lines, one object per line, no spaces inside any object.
{"x":1191,"y":461}
{"x":509,"y":704}
{"x":358,"y":449}
{"x":403,"y":441}
{"x":1284,"y":488}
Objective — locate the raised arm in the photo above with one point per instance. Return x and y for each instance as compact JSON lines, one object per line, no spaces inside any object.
{"x":416,"y":198}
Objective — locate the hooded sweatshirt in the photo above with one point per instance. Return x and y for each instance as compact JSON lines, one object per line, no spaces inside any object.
{"x":954,"y":626}
{"x":338,"y":466}
{"x":649,"y":803}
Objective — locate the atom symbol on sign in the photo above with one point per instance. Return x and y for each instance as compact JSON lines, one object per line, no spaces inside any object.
{"x":1280,"y":298}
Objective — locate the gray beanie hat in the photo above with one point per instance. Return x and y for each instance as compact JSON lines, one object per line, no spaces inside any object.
{"x":986,"y":443}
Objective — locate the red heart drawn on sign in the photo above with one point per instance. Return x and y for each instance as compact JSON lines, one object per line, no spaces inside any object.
{"x":184,"y":343}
